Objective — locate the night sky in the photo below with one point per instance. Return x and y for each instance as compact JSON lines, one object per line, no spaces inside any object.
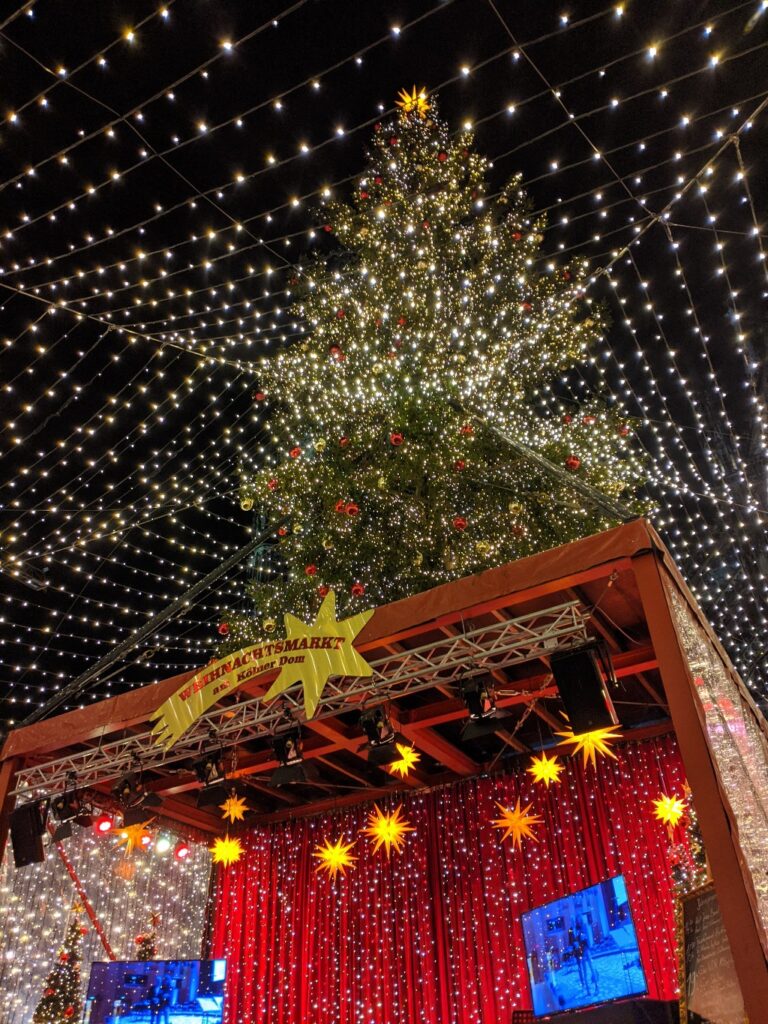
{"x":159,"y":166}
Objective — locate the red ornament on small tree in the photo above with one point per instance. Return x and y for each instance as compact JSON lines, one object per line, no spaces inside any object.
{"x":357,"y":590}
{"x":396,"y":439}
{"x":460,"y":523}
{"x":223,"y":628}
{"x":311,"y":569}
{"x":573,"y":462}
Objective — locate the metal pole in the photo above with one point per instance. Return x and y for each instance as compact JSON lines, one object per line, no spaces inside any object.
{"x":119,"y":650}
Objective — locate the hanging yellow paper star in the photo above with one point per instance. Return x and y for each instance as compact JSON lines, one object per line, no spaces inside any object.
{"x":592,"y":743}
{"x":409,"y":756}
{"x":134,"y":837}
{"x":388,"y":830}
{"x":669,"y":809}
{"x":234,"y":808}
{"x":413,"y":102}
{"x":333,"y":656}
{"x":226,"y":850}
{"x":545,"y":769}
{"x":517,"y":822}
{"x":335,"y":857}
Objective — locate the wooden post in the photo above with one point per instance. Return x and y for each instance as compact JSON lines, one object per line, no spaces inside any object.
{"x":736,"y":908}
{"x":8,"y":771}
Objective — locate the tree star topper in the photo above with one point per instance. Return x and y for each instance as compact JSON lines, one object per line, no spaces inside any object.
{"x":517,"y":822}
{"x":415,"y":102}
{"x":310,"y":654}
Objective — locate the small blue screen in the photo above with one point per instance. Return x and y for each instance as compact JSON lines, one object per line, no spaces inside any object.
{"x":582,"y":949}
{"x":156,"y":992}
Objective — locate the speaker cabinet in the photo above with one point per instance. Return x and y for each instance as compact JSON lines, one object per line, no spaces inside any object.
{"x":27,"y":830}
{"x":579,"y":678}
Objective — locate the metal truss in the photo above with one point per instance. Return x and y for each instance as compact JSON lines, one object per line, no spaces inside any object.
{"x":440,"y":662}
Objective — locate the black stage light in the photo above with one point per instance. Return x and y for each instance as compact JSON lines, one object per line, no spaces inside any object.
{"x":210,"y":768}
{"x":481,"y":705}
{"x":581,"y":677}
{"x":381,"y":735}
{"x":288,"y":748}
{"x":67,"y":805}
{"x":129,"y":791}
{"x":135,"y":815}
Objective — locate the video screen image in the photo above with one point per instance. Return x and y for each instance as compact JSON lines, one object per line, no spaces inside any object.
{"x":582,"y":949}
{"x":156,"y":992}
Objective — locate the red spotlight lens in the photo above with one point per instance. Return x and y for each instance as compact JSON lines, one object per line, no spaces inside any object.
{"x":182,"y":850}
{"x":103,"y":824}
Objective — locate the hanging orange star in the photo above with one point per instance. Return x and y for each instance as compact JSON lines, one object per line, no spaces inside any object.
{"x":518,"y":823}
{"x":409,"y":756}
{"x":387,"y":830}
{"x":545,"y":769}
{"x":226,"y":850}
{"x":234,"y":808}
{"x":592,"y":743}
{"x":335,"y":857}
{"x":669,"y":810}
{"x":134,"y":837}
{"x":415,"y":102}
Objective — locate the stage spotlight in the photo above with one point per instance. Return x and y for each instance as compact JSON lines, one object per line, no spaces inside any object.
{"x":288,"y":748}
{"x":210,"y":769}
{"x":162,"y":845}
{"x":67,"y":805}
{"x":129,"y":791}
{"x":481,"y":705}
{"x":381,"y":736}
{"x":103,"y":824}
{"x":181,"y":850}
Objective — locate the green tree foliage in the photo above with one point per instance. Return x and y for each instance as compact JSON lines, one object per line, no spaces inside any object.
{"x":438,"y":296}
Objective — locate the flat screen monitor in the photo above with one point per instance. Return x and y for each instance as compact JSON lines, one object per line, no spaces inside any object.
{"x":582,"y":950}
{"x":156,"y":992}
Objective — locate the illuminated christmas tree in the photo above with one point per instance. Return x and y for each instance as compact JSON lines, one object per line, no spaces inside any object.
{"x":61,"y":1001}
{"x":434,"y":327}
{"x":146,"y":943}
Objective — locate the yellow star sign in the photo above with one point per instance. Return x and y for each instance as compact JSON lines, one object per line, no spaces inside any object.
{"x":335,"y":857}
{"x":413,"y":102}
{"x":545,"y":769}
{"x":319,"y":651}
{"x":593,"y":743}
{"x":517,"y":822}
{"x":234,"y":808}
{"x":387,"y":830}
{"x":226,"y":851}
{"x":409,"y":756}
{"x":669,"y":809}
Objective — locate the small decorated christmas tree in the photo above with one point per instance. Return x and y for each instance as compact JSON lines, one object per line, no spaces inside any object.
{"x":434,"y":328}
{"x":61,"y":1001}
{"x":147,"y":942}
{"x":688,"y":857}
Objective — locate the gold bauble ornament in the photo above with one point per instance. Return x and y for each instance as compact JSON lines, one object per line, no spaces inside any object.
{"x":364,"y":232}
{"x":422,"y":265}
{"x":269,"y":625}
{"x":321,"y":444}
{"x":381,"y":483}
{"x":297,"y":528}
{"x":418,"y":558}
{"x":461,"y":358}
{"x":246,"y":504}
{"x":327,"y":543}
{"x":483,"y":548}
{"x":377,"y":368}
{"x":515,"y":508}
{"x":543,"y":498}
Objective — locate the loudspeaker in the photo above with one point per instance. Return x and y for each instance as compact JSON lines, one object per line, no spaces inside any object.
{"x":579,"y":679}
{"x":27,"y":830}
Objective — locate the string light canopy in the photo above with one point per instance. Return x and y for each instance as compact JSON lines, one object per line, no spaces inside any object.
{"x":155,"y":215}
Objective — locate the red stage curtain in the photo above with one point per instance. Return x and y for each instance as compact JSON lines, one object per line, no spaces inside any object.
{"x":433,"y":934}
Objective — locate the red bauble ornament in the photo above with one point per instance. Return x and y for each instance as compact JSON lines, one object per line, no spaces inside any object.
{"x":393,"y":140}
{"x":69,"y":1012}
{"x":328,"y":228}
{"x":64,"y":957}
{"x":83,"y":930}
{"x":588,"y":420}
{"x":223,"y":628}
{"x":567,"y":418}
{"x":572,"y":462}
{"x":139,"y":939}
{"x":396,"y":439}
{"x":259,"y":396}
{"x":336,"y":353}
{"x":624,"y":430}
{"x":352,"y":509}
{"x":48,"y":992}
{"x":323,"y":590}
{"x":363,"y":195}
{"x":310,"y":570}
{"x":377,"y":180}
{"x":425,"y":225}
{"x":272,"y":484}
{"x":527,"y":307}
{"x":517,"y":236}
{"x":295,"y":452}
{"x":401,"y":321}
{"x":282,"y":531}
{"x":459,"y":523}
{"x":468,"y":429}
{"x":340,"y":314}
{"x":442,"y":156}
{"x":459,"y":464}
{"x":357,"y":590}
{"x":340,"y":506}
{"x":343,"y":441}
